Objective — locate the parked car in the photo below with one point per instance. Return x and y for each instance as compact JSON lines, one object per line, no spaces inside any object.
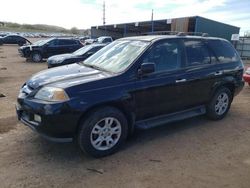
{"x":14,"y":39}
{"x":46,"y":48}
{"x":82,"y":39}
{"x":77,"y":56}
{"x":104,"y":40}
{"x":136,"y":82}
{"x":246,"y":76}
{"x":100,"y":40}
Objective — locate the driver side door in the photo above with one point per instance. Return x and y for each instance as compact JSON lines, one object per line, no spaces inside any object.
{"x":160,"y":92}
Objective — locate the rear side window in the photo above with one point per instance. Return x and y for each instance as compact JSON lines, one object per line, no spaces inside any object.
{"x":223,"y":50}
{"x":197,"y":53}
{"x":66,"y":42}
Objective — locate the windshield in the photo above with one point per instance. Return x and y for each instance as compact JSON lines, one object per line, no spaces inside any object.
{"x":117,"y":56}
{"x":100,"y":39}
{"x":82,"y":50}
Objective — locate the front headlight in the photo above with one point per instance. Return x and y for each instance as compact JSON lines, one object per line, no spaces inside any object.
{"x":52,"y":94}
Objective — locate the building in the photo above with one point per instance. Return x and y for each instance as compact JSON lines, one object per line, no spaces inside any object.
{"x":195,"y":24}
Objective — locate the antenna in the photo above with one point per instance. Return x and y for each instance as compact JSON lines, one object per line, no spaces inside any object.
{"x":103,"y":9}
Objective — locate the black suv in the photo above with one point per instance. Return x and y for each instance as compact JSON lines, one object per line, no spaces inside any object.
{"x":133,"y":82}
{"x":77,"y":56}
{"x":14,"y":39}
{"x":46,"y":48}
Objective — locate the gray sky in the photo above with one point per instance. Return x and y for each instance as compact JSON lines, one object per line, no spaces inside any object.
{"x":86,"y":13}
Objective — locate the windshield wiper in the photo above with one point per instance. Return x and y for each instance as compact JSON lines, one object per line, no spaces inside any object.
{"x":93,"y":67}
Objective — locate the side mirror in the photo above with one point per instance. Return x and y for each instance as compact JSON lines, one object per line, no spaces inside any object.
{"x":146,"y":68}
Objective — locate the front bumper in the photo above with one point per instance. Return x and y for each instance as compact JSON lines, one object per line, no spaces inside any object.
{"x":58,"y":121}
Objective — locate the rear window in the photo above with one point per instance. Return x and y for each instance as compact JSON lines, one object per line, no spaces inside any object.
{"x":223,"y":50}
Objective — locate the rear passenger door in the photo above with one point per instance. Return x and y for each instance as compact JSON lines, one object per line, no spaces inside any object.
{"x":157,"y":93}
{"x":199,"y":74}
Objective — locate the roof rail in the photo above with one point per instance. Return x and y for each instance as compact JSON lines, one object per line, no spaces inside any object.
{"x":181,"y":34}
{"x":178,"y":33}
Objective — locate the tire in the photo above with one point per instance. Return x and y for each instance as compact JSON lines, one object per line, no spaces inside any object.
{"x":219,"y":104}
{"x":36,"y":57}
{"x":103,"y":132}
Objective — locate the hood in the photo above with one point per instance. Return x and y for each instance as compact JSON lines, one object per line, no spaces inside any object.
{"x":61,"y":57}
{"x":64,"y":75}
{"x":29,"y":46}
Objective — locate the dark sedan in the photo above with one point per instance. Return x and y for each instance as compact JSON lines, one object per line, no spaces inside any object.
{"x":14,"y":39}
{"x":79,"y":55}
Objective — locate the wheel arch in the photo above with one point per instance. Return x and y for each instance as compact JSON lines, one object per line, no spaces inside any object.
{"x":226,"y":83}
{"x":128,"y":113}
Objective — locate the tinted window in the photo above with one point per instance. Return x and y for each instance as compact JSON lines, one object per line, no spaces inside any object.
{"x":95,"y":49}
{"x":63,"y":42}
{"x":197,"y":53}
{"x":223,"y":50}
{"x":106,"y":40}
{"x":166,"y":56}
{"x":51,"y":43}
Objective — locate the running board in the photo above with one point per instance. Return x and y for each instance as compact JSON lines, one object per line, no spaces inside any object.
{"x":159,"y":120}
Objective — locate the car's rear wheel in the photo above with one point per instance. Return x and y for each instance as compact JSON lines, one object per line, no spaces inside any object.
{"x":219,"y":104}
{"x":103,"y":132}
{"x":36,"y":57}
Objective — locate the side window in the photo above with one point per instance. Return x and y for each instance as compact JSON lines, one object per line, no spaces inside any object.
{"x":223,"y":51}
{"x":53,"y":43}
{"x":197,"y":53}
{"x":95,"y":49}
{"x":166,"y":56}
{"x":70,"y":42}
{"x":106,"y":40}
{"x":62,"y":42}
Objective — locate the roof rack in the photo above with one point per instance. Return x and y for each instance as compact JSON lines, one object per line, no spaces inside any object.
{"x":193,"y":34}
{"x":178,"y":33}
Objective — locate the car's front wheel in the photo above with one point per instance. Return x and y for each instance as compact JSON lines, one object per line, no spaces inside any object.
{"x":103,"y":132}
{"x":36,"y":57}
{"x":219,"y":104}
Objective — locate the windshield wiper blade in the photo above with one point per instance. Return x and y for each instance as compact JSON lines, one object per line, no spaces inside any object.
{"x":92,"y":66}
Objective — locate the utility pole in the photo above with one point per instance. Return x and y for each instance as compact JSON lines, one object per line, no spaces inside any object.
{"x":103,"y":9}
{"x":152,"y":21}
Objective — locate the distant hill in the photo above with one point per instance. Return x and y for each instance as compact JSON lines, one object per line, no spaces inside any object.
{"x":15,"y":27}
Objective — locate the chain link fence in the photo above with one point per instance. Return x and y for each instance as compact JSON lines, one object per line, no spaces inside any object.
{"x":243,"y":47}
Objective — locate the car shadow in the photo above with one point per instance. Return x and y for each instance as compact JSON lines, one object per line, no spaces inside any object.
{"x":61,"y":152}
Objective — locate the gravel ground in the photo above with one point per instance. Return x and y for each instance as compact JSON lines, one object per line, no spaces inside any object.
{"x":193,"y":153}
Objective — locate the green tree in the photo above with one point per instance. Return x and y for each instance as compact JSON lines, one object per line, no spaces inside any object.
{"x":74,"y":30}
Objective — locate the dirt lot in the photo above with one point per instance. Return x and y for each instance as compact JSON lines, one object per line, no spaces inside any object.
{"x":193,"y":153}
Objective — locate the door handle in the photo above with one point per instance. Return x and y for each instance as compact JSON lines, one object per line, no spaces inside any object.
{"x":218,"y":73}
{"x":180,"y":80}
